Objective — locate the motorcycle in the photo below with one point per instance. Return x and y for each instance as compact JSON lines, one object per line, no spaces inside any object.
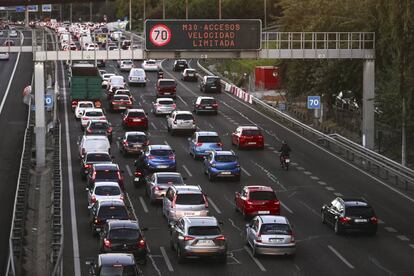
{"x":161,"y":75}
{"x":138,"y":178}
{"x":284,"y":162}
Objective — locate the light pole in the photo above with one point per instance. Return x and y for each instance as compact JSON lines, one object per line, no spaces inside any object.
{"x":219,"y":9}
{"x":265,"y":13}
{"x":90,"y":11}
{"x":70,"y":12}
{"x":186,"y":9}
{"x":130,"y":15}
{"x":143,"y":20}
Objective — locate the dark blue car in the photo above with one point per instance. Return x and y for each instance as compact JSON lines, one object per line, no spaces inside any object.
{"x":159,"y":158}
{"x":222,"y":164}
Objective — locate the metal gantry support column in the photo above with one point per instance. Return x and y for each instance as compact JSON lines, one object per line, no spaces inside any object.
{"x":368,"y":100}
{"x":40,"y":128}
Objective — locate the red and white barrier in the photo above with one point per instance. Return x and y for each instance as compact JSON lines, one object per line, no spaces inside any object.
{"x":239,"y":93}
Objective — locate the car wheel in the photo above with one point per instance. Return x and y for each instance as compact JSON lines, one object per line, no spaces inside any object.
{"x":181,"y":258}
{"x":337,"y":228}
{"x":323,"y":218}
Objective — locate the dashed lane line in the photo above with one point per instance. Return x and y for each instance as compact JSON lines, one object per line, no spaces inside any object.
{"x":187,"y":170}
{"x":390,"y":229}
{"x":181,"y":99}
{"x":166,"y":259}
{"x":245,"y":171}
{"x":144,"y":205}
{"x":214,"y":205}
{"x":258,"y":263}
{"x":342,"y":258}
{"x":287,"y":208}
{"x":128,"y":168}
{"x":403,"y":237}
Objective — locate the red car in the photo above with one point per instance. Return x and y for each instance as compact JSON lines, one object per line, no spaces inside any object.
{"x":120,"y":102}
{"x":166,"y":88}
{"x":248,"y":137}
{"x":257,"y":200}
{"x":135,"y":118}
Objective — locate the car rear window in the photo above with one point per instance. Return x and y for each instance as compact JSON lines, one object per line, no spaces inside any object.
{"x":93,"y":113}
{"x":117,"y":270}
{"x":127,"y":62}
{"x":136,"y":138}
{"x":121,"y":98}
{"x":98,"y":157}
{"x":99,"y":125}
{"x":165,"y":102}
{"x":136,"y":114}
{"x":161,"y":152}
{"x":137,"y":73}
{"x":167,"y":83}
{"x":185,"y":117}
{"x":262,"y":195}
{"x":107,"y":190}
{"x":204,"y":231}
{"x":151,"y":62}
{"x":117,"y":81}
{"x":251,"y":132}
{"x":85,"y":105}
{"x":359,"y":211}
{"x":208,"y":139}
{"x":106,"y":212}
{"x":226,"y":158}
{"x":124,"y":234}
{"x":212,"y":80}
{"x":208,"y":101}
{"x":169,"y":179}
{"x":106,"y":174}
{"x":275,"y":229}
{"x":189,"y":199}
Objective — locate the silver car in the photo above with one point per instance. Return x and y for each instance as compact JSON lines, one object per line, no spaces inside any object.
{"x":163,"y":106}
{"x":103,"y":190}
{"x":158,"y":183}
{"x":198,"y":237}
{"x":271,"y":235}
{"x":184,"y":200}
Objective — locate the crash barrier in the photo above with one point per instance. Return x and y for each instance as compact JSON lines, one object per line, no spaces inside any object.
{"x":239,"y":93}
{"x":370,"y":161}
{"x":17,"y":232}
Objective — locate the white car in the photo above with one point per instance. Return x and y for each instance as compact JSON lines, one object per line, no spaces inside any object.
{"x":150,"y":65}
{"x":102,"y":72}
{"x":13,"y":33}
{"x":4,"y":56}
{"x":163,"y":106}
{"x":125,"y":65}
{"x":181,"y":121}
{"x":105,"y":79}
{"x":81,"y":106}
{"x":92,"y":47}
{"x":115,"y":82}
{"x":91,"y":114}
{"x":93,"y":143}
{"x":137,"y":76}
{"x":1,"y":32}
{"x":102,"y":191}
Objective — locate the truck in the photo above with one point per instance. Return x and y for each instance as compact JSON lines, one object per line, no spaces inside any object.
{"x":85,"y":84}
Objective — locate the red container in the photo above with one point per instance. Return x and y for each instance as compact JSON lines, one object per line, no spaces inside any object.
{"x":267,"y":77}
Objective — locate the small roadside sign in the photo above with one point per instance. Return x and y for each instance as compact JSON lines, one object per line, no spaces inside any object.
{"x":314,"y":102}
{"x":33,"y":8}
{"x":49,"y":101}
{"x":20,"y":8}
{"x":47,"y":8}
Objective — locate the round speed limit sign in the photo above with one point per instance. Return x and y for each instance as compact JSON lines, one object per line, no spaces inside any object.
{"x":160,"y":35}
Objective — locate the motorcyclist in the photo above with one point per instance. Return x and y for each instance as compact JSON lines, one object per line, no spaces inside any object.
{"x":160,"y":73}
{"x":284,"y":152}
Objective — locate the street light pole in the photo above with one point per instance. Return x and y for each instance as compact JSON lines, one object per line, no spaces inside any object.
{"x":143,"y":20}
{"x":186,"y":9}
{"x":130,"y":15}
{"x":265,"y":13}
{"x":163,"y":9}
{"x":219,"y":9}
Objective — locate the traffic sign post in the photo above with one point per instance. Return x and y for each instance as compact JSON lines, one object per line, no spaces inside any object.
{"x":314,"y":102}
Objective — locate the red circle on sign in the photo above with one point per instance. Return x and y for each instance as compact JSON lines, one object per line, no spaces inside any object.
{"x":160,"y":35}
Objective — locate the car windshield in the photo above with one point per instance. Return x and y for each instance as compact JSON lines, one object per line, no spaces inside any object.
{"x":150,"y":62}
{"x":107,"y":191}
{"x":93,"y":113}
{"x":262,"y":195}
{"x":189,"y":199}
{"x":117,"y":271}
{"x":99,"y":125}
{"x":161,"y":152}
{"x":226,"y":158}
{"x":359,"y":211}
{"x":124,"y":234}
{"x":136,"y":138}
{"x":166,"y":102}
{"x":167,"y":83}
{"x":98,"y":157}
{"x":106,"y":212}
{"x":208,"y":101}
{"x":212,"y":80}
{"x":208,"y":139}
{"x":185,"y":117}
{"x":275,"y":229}
{"x":136,"y":114}
{"x":106,"y":174}
{"x":251,"y":132}
{"x":204,"y":231}
{"x":85,"y":105}
{"x":169,"y":179}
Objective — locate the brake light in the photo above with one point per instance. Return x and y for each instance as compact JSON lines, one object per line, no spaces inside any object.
{"x":93,"y":199}
{"x":125,"y":143}
{"x":110,"y":129}
{"x":173,"y":202}
{"x":259,"y":238}
{"x":88,"y":166}
{"x":119,"y":175}
{"x":151,"y":157}
{"x":242,"y":138}
{"x":94,"y":175}
{"x":344,"y":219}
{"x":174,"y":105}
{"x":157,"y":188}
{"x":215,"y":105}
{"x":171,"y":157}
{"x":219,"y":144}
{"x":188,"y":238}
{"x":107,"y":243}
{"x":141,"y":243}
{"x":205,"y":201}
{"x":74,"y":104}
{"x":374,"y":220}
{"x":199,"y":144}
{"x":138,"y":173}
{"x":292,"y":237}
{"x":220,"y":238}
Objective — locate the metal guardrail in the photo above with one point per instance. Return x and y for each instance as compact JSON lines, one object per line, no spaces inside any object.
{"x":372,"y":162}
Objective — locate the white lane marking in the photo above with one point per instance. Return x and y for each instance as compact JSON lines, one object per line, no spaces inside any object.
{"x":165,"y":142}
{"x":322,"y":183}
{"x":338,"y":194}
{"x":73,"y":217}
{"x":246,"y":172}
{"x":403,"y":238}
{"x":259,"y":264}
{"x":214,"y":205}
{"x":307,"y":172}
{"x":153,"y":125}
{"x":342,"y":258}
{"x":287,"y":208}
{"x":380,"y":221}
{"x":271,"y":148}
{"x":234,"y":225}
{"x":300,"y":168}
{"x":412,"y":246}
{"x":3,"y":101}
{"x":144,"y":206}
{"x":275,"y":151}
{"x":390,"y":229}
{"x":129,"y":170}
{"x":187,"y":170}
{"x":294,"y":163}
{"x":210,"y":125}
{"x":167,"y":261}
{"x":330,"y":188}
{"x":181,"y":99}
{"x":314,"y":177}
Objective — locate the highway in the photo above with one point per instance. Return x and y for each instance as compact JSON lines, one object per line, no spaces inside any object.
{"x":13,"y":117}
{"x":316,"y":177}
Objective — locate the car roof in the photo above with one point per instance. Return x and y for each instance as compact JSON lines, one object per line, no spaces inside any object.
{"x":140,"y":133}
{"x":248,"y":127}
{"x":212,"y":77}
{"x":162,"y":80}
{"x":116,"y":258}
{"x":167,"y":173}
{"x":118,"y":223}
{"x":95,"y":137}
{"x":164,"y":99}
{"x":224,"y":152}
{"x":136,"y":110}
{"x":183,"y":112}
{"x":109,"y":202}
{"x":93,"y":109}
{"x":120,"y":96}
{"x":97,"y":152}
{"x":205,"y":97}
{"x":98,"y":121}
{"x":255,"y":188}
{"x":206,"y":133}
{"x":116,"y":77}
{"x":106,"y":183}
{"x":201,"y":221}
{"x":184,"y":189}
{"x":157,"y":147}
{"x":273,"y":219}
{"x":106,"y":166}
{"x":85,"y":102}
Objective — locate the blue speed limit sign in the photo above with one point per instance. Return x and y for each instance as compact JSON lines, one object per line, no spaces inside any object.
{"x":314,"y":102}
{"x":48,"y":101}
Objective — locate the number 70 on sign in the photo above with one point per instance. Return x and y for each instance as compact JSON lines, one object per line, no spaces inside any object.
{"x":314,"y":102}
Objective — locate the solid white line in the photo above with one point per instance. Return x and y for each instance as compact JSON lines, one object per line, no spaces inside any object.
{"x":182,"y":100}
{"x":259,"y":264}
{"x":3,"y":101}
{"x":167,"y":261}
{"x":129,"y":170}
{"x":187,"y":170}
{"x":341,"y":257}
{"x":403,"y":238}
{"x":214,"y":205}
{"x":287,"y":208}
{"x":246,"y":172}
{"x":73,"y":217}
{"x":144,"y":206}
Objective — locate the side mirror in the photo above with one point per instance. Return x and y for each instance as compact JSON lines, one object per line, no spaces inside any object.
{"x":144,"y":229}
{"x":247,"y":225}
{"x":220,"y":222}
{"x":184,"y":178}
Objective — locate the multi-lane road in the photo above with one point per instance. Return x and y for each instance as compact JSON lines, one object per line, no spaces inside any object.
{"x":316,"y":177}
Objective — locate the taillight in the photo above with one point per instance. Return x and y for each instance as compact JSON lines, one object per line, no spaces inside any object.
{"x":88,"y":166}
{"x":110,"y":129}
{"x":74,"y":103}
{"x":173,"y":202}
{"x":205,"y":201}
{"x":199,"y":144}
{"x":107,"y":243}
{"x":146,"y":143}
{"x":93,"y":199}
{"x":188,"y":238}
{"x":215,"y":105}
{"x":242,"y":138}
{"x":119,"y":175}
{"x":156,"y":188}
{"x":94,"y":175}
{"x":220,"y":238}
{"x":171,"y":157}
{"x":141,"y":243}
{"x":219,"y":144}
{"x":151,"y":157}
{"x":258,"y":238}
{"x":89,"y":131}
{"x":125,"y":143}
{"x":174,"y":105}
{"x":121,"y":197}
{"x":344,"y":219}
{"x":292,"y":237}
{"x":138,"y":173}
{"x":374,"y":220}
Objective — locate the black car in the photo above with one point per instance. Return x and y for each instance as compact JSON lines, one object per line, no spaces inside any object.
{"x":349,"y":215}
{"x":105,"y":172}
{"x":114,"y":264}
{"x":102,"y":210}
{"x":92,"y":158}
{"x":124,"y":236}
{"x":99,"y":127}
{"x":210,"y":84}
{"x":180,"y":65}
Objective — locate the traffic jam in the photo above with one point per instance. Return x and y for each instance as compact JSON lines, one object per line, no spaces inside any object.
{"x":126,"y":113}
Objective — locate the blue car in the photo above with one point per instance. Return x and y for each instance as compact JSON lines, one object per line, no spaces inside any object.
{"x":204,"y":142}
{"x":159,"y":158}
{"x":222,"y":164}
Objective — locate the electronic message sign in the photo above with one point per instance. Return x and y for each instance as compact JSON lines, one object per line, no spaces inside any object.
{"x":203,"y":35}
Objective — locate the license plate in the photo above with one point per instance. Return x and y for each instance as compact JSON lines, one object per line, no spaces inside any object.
{"x":287,"y":160}
{"x":98,"y":229}
{"x":122,"y":107}
{"x":167,"y":93}
{"x":209,"y":107}
{"x":136,"y":120}
{"x":213,"y":87}
{"x":252,"y":143}
{"x":226,"y":173}
{"x":360,"y":220}
{"x":205,"y":242}
{"x":263,"y":212}
{"x":136,"y":179}
{"x":162,"y":167}
{"x":191,"y":75}
{"x":276,"y":240}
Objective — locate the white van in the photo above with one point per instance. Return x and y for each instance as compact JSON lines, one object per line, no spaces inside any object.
{"x":137,"y":76}
{"x":93,"y":144}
